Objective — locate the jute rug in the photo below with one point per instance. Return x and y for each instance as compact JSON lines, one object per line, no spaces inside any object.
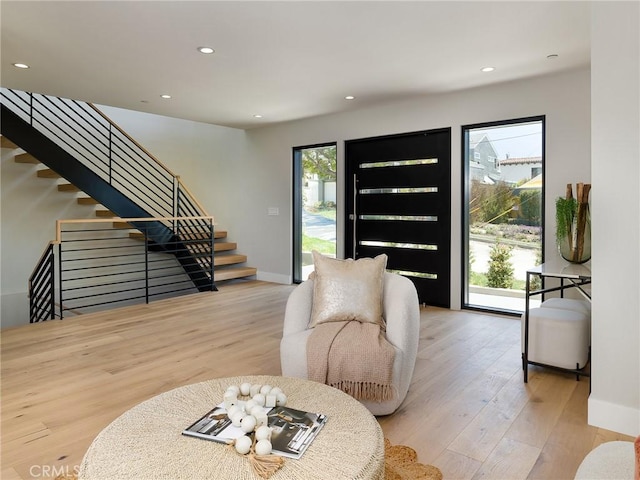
{"x":400,"y":463}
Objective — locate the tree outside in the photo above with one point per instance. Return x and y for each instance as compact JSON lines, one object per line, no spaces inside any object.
{"x":319,"y":201}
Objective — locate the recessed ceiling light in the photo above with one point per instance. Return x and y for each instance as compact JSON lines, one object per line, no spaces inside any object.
{"x":487,"y":69}
{"x":206,"y":50}
{"x":552,"y":56}
{"x":166,"y":96}
{"x":21,"y":65}
{"x":349,"y":97}
{"x":257,"y":115}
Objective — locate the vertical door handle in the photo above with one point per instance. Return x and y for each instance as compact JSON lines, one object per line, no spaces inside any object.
{"x":354,"y":215}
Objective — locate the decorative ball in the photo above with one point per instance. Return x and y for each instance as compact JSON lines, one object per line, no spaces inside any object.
{"x":248,"y":423}
{"x":255,"y":389}
{"x":263,"y":433}
{"x":281,"y":400}
{"x":275,"y":391}
{"x":261,"y":418}
{"x":234,"y":388}
{"x":256,"y":410}
{"x":259,"y":399}
{"x":237,"y":418}
{"x":263,"y":447}
{"x":249,"y":404}
{"x":243,"y":445}
{"x":233,"y":409}
{"x":245,"y":388}
{"x":265,"y":389}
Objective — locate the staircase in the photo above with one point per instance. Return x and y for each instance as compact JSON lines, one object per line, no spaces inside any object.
{"x":228,"y":264}
{"x":82,"y":150}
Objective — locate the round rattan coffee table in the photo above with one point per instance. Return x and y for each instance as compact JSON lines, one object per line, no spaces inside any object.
{"x":146,"y":441}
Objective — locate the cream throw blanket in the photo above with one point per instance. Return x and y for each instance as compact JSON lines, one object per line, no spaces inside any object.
{"x":353,"y":357}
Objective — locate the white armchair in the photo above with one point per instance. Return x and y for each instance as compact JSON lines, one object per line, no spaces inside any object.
{"x":402,"y":314}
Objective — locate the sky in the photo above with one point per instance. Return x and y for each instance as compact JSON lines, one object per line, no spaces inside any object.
{"x":518,"y":141}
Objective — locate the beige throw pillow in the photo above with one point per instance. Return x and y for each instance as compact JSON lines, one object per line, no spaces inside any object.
{"x":347,"y":289}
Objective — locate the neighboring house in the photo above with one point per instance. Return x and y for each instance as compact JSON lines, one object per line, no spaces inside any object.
{"x":316,"y":190}
{"x":516,"y":170}
{"x":483,"y":159}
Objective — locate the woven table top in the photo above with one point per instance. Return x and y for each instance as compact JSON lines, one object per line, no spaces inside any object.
{"x":146,"y":442}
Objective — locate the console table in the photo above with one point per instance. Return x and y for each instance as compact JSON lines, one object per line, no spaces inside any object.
{"x":571,"y":276}
{"x":146,"y":441}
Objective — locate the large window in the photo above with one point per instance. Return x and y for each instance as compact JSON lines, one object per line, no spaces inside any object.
{"x":503,"y":223}
{"x":314,"y":212}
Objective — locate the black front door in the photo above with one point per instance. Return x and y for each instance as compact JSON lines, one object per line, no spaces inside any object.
{"x":398,"y":202}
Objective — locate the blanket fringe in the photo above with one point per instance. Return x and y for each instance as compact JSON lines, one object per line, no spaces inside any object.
{"x":366,"y":390}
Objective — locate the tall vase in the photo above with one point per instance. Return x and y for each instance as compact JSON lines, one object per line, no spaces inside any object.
{"x":576,"y":248}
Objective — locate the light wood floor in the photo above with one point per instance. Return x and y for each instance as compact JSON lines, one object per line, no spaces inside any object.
{"x":468,"y":411}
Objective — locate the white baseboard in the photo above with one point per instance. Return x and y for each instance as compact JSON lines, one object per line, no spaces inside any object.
{"x":274,"y":278}
{"x":614,"y":417}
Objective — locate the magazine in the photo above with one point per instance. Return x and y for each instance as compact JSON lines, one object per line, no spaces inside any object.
{"x":292,"y":431}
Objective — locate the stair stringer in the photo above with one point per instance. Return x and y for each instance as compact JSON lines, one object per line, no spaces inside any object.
{"x":56,"y":158}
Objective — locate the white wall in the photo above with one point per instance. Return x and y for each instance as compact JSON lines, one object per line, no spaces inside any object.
{"x":614,"y":402}
{"x":204,"y":156}
{"x":564,"y":99}
{"x":30,"y":207}
{"x":239,"y":175}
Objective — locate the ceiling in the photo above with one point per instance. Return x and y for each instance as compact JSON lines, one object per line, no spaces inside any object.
{"x":282,"y":60}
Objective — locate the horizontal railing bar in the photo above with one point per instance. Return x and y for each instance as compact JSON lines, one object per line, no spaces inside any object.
{"x":124,"y":282}
{"x":132,"y":219}
{"x":110,"y":247}
{"x":114,"y":292}
{"x":130,"y":139}
{"x":95,"y":267}
{"x":88,"y":305}
{"x":102,"y":257}
{"x":131,"y":272}
{"x":66,"y":135}
{"x":44,"y":298}
{"x":124,"y":153}
{"x":91,"y":249}
{"x":41,"y":287}
{"x":171,"y":291}
{"x":193,"y":200}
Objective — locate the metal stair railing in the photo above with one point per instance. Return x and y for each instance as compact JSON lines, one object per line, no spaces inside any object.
{"x":42,"y":287}
{"x":100,"y":144}
{"x":90,"y":264}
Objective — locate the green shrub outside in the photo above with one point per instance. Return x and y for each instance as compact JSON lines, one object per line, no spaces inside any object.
{"x":500,"y":274}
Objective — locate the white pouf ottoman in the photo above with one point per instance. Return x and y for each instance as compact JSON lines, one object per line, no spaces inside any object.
{"x":611,"y":460}
{"x":568,"y":304}
{"x":558,"y":337}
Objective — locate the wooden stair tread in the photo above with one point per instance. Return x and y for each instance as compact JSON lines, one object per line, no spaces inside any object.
{"x":233,"y":272}
{"x":87,"y":201}
{"x":6,"y":143}
{"x":224,"y":246}
{"x":228,"y":259}
{"x":105,"y":214}
{"x":202,"y":235}
{"x":124,"y":225}
{"x":47,"y":173}
{"x":26,"y":158}
{"x":67,"y":187}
